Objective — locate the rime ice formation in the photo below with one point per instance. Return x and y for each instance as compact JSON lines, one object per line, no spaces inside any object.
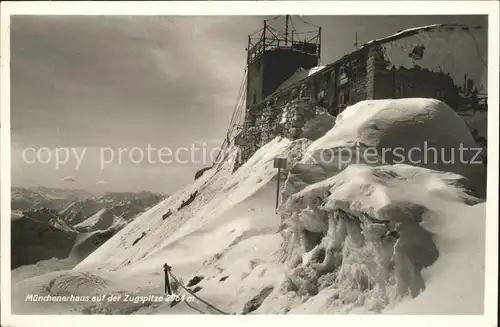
{"x":362,"y":230}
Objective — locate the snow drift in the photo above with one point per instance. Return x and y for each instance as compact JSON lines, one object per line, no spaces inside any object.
{"x":365,"y":234}
{"x":421,"y":132}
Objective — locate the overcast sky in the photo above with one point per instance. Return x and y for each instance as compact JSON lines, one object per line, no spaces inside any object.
{"x":101,"y":83}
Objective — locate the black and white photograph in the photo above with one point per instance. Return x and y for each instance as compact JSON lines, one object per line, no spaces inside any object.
{"x":275,"y":163}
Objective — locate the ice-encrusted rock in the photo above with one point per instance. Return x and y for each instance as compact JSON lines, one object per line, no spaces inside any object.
{"x":366,"y":225}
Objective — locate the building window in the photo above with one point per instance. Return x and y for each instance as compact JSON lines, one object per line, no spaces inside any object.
{"x":439,"y":94}
{"x":332,"y":77}
{"x":258,"y":121}
{"x":354,"y":66}
{"x":341,"y":98}
{"x":342,"y":78}
{"x":303,"y":90}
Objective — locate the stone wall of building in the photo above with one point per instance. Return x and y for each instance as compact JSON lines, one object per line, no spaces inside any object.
{"x":358,"y":77}
{"x":255,"y":79}
{"x":248,"y":142}
{"x":294,"y":116}
{"x":373,"y":53}
{"x":287,"y":121}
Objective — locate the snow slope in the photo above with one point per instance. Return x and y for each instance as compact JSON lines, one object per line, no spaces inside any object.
{"x":227,"y":229}
{"x":224,"y":228}
{"x":102,"y":220}
{"x":456,"y":281}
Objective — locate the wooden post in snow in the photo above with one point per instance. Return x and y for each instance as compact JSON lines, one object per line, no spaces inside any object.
{"x":394,"y":82}
{"x":279,"y":163}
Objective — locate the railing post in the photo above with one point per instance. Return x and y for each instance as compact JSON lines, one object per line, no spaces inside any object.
{"x":264,"y":37}
{"x":319,"y":45}
{"x":394,"y":82}
{"x":249,"y":49}
{"x":166,"y":269}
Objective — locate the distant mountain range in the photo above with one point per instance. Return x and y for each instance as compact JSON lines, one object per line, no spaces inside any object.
{"x":23,"y":199}
{"x":62,"y":223}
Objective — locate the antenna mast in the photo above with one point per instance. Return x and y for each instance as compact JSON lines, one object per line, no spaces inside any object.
{"x":286,"y":29}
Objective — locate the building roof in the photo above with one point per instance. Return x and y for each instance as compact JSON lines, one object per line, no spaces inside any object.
{"x":415,"y":30}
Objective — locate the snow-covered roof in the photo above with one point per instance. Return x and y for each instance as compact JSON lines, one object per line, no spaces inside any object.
{"x":412,"y":31}
{"x":304,"y":74}
{"x":314,"y":70}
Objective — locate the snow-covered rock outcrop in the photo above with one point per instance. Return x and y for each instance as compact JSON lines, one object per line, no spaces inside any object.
{"x":317,"y":127}
{"x":421,"y":132}
{"x":365,"y":234}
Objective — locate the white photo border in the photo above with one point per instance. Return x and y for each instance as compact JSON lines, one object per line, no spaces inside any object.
{"x":205,"y":8}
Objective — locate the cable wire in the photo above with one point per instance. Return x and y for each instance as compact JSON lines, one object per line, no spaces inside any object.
{"x":477,"y":49}
{"x":195,"y":296}
{"x":302,"y":19}
{"x":226,"y":142}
